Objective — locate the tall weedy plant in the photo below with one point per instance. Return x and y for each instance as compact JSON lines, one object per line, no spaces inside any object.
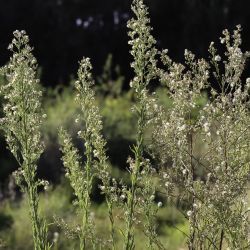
{"x":140,"y":196}
{"x":217,"y":213}
{"x":176,"y":136}
{"x":21,"y":124}
{"x":225,"y":122}
{"x":96,"y":164}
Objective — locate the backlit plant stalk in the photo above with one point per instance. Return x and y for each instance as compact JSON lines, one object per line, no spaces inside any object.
{"x":96,"y":163}
{"x":81,"y":182}
{"x":21,"y":124}
{"x":142,"y":43}
{"x":93,"y":124}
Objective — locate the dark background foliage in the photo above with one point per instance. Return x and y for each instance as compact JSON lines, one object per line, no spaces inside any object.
{"x":62,"y":31}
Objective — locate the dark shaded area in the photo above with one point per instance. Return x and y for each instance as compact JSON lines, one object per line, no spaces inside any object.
{"x":119,"y":150}
{"x":7,"y":161}
{"x":62,"y":31}
{"x":5,"y":221}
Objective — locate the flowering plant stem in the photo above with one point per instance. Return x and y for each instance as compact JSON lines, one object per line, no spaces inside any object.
{"x":138,"y":150}
{"x":144,"y":64}
{"x":81,"y":178}
{"x":21,"y":125}
{"x":86,"y":203}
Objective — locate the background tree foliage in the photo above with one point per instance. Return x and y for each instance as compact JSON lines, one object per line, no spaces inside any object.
{"x":64,"y":30}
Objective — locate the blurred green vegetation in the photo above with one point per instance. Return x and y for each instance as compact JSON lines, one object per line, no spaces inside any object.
{"x":15,"y":224}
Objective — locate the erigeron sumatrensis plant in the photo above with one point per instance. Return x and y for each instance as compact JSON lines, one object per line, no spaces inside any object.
{"x":174,"y":139}
{"x":227,"y":133}
{"x":218,"y":216}
{"x":141,"y":195}
{"x":203,"y":149}
{"x":21,"y":125}
{"x":96,"y":164}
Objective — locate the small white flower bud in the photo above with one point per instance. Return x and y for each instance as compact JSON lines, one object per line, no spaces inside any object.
{"x":217,"y":58}
{"x":206,"y":127}
{"x":248,"y":82}
{"x":152,"y":197}
{"x":167,"y":184}
{"x":222,"y":40}
{"x":122,"y":197}
{"x":195,"y":206}
{"x":182,"y":127}
{"x":159,"y":204}
{"x":165,"y":176}
{"x":55,"y":237}
{"x":10,"y":47}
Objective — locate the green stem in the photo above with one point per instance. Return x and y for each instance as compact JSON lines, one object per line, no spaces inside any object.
{"x":86,"y":203}
{"x":129,"y":237}
{"x":38,"y":237}
{"x":111,"y":218}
